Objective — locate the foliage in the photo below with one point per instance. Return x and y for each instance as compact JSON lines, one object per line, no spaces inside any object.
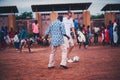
{"x":99,"y":16}
{"x":25,"y":15}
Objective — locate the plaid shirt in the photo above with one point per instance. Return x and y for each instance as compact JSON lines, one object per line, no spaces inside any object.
{"x":56,"y":31}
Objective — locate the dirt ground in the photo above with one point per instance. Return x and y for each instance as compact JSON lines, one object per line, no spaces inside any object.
{"x":96,"y":63}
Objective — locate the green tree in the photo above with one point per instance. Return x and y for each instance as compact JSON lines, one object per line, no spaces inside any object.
{"x":25,"y":15}
{"x":99,"y":16}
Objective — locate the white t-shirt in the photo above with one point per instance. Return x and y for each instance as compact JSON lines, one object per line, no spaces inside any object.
{"x":16,"y":39}
{"x":96,"y":29}
{"x":114,"y":26}
{"x":68,"y":25}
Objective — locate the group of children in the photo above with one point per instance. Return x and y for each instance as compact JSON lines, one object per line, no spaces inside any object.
{"x":6,"y":37}
{"x":111,"y":34}
{"x":83,"y":35}
{"x":19,"y":39}
{"x":14,"y":38}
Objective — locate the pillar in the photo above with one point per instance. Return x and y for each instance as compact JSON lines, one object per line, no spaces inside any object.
{"x":38,"y":18}
{"x":28,"y":27}
{"x":11,"y":21}
{"x":109,"y":16}
{"x":73,"y":16}
{"x":53,"y":16}
{"x":86,"y":18}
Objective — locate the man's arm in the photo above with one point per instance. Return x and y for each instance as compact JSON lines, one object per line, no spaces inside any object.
{"x":72,"y":27}
{"x":63,"y":31}
{"x":73,"y":30}
{"x":47,"y":32}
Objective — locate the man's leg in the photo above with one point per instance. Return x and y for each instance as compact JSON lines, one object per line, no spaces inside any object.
{"x":68,"y":54}
{"x":52,"y":56}
{"x":71,"y":46}
{"x":64,"y":57}
{"x":70,"y":49}
{"x":64,"y":54}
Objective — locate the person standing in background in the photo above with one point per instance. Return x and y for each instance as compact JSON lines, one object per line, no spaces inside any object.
{"x":111,"y":32}
{"x":84,"y":31}
{"x":89,"y":35}
{"x":107,"y":36}
{"x":103,"y":34}
{"x":12,"y":34}
{"x":76,"y":27}
{"x":2,"y":40}
{"x":115,"y":35}
{"x":96,"y":34}
{"x":35,"y":28}
{"x":16,"y":40}
{"x":118,"y":31}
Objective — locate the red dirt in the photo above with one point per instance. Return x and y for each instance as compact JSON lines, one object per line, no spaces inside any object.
{"x":96,"y":63}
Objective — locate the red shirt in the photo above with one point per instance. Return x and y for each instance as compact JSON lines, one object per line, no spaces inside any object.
{"x":11,"y":34}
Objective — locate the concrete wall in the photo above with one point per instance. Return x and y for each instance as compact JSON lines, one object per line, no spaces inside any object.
{"x":86,"y":18}
{"x":3,"y":20}
{"x":11,"y":21}
{"x":53,"y":16}
{"x":45,"y":22}
{"x":109,"y":16}
{"x":117,"y":16}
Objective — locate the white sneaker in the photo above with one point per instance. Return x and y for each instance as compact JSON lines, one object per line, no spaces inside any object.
{"x":70,"y":60}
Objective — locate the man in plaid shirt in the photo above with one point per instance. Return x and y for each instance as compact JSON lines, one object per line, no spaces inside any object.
{"x":56,"y":31}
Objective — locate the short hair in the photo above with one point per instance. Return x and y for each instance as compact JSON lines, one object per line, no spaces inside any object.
{"x":69,"y":12}
{"x":36,"y":21}
{"x":16,"y":33}
{"x":60,"y":18}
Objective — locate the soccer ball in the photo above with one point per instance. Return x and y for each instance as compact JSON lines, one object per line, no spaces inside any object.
{"x":76,"y":58}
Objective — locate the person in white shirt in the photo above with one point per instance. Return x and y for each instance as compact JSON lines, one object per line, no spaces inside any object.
{"x":16,"y":41}
{"x":69,"y":25}
{"x":81,"y":38}
{"x":115,"y":35}
{"x":96,"y":34}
